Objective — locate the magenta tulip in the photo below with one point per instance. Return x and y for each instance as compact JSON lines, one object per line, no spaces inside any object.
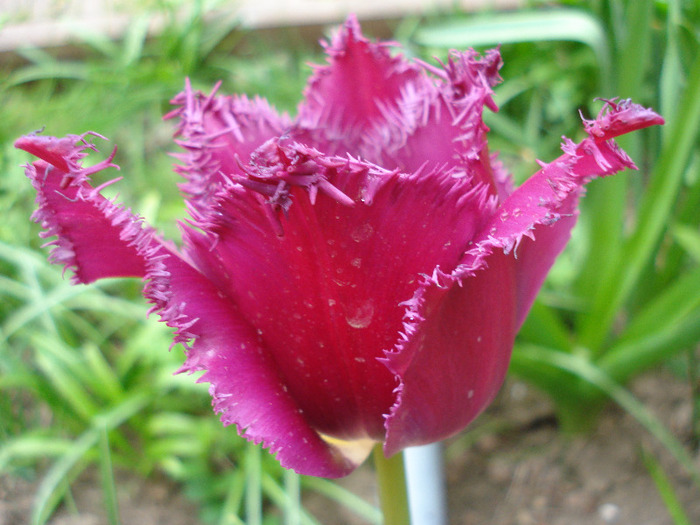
{"x":352,"y":276}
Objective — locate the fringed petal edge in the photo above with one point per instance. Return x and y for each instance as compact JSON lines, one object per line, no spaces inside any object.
{"x":95,"y":237}
{"x":548,"y":196}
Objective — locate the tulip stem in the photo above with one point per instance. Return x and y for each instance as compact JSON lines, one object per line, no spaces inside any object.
{"x":391,"y":481}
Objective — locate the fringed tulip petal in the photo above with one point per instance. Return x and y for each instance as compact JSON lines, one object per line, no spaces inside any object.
{"x":536,"y":220}
{"x":218,"y":133}
{"x":492,"y":289}
{"x":450,"y":106}
{"x":453,"y":354}
{"x":95,"y":238}
{"x":349,"y":101}
{"x":246,"y":388}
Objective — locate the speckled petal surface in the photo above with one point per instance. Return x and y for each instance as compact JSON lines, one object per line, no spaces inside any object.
{"x":324,"y":285}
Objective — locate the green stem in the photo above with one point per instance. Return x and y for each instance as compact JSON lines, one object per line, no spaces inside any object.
{"x":391,"y":481}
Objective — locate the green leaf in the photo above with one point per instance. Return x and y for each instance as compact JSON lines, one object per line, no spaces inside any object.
{"x":520,"y":26}
{"x":665,"y":488}
{"x":283,"y":499}
{"x":109,"y":490}
{"x":253,"y":493}
{"x":689,"y":239}
{"x":346,"y":498}
{"x":587,"y":371}
{"x":654,"y":210}
{"x":667,"y":324}
{"x":32,"y":445}
{"x":68,"y":465}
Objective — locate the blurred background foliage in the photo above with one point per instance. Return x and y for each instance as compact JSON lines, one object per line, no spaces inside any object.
{"x":85,"y":381}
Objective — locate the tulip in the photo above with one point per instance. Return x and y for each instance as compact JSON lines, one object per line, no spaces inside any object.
{"x":353,"y":276}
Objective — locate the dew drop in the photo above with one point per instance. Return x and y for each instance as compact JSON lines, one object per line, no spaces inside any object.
{"x":360,"y":316}
{"x":362,"y":232}
{"x":331,"y":302}
{"x":356,"y":262}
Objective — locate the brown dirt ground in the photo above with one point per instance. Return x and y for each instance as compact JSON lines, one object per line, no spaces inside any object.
{"x":516,"y":470}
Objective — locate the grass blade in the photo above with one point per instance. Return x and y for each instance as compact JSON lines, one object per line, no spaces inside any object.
{"x":584,"y":369}
{"x":51,"y":488}
{"x":68,"y":465}
{"x":234,"y":498}
{"x":109,"y":490}
{"x":292,"y":488}
{"x":282,"y":499}
{"x":663,"y":485}
{"x":253,"y":493}
{"x":337,"y":493}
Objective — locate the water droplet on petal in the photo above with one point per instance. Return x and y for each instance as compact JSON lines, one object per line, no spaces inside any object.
{"x":362,"y":232}
{"x":360,"y":316}
{"x":356,"y":262}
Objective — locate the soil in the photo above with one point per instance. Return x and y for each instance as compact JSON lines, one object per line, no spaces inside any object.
{"x":512,"y":468}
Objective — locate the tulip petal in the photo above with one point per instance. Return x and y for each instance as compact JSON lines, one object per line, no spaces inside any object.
{"x":545,"y":206}
{"x":401,"y":114}
{"x":443,"y":122}
{"x":219,"y":132}
{"x":460,"y":327}
{"x":359,"y":90}
{"x":245,"y":387}
{"x":304,"y":283}
{"x":96,"y":238}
